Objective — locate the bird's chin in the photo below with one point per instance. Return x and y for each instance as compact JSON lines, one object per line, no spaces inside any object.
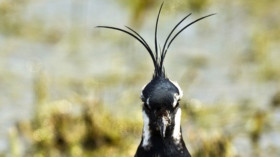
{"x":163,"y":133}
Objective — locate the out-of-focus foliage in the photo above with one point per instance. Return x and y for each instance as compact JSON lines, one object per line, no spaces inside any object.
{"x":10,"y":18}
{"x":14,"y":23}
{"x":80,"y":127}
{"x":63,"y":128}
{"x":138,"y":8}
{"x":75,"y":114}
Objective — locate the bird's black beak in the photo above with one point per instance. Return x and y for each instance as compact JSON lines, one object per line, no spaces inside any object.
{"x":162,"y":124}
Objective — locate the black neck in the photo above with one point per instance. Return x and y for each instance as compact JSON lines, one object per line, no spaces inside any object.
{"x":163,"y":147}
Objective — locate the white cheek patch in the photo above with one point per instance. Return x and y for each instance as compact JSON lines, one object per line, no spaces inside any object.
{"x":148,"y":101}
{"x":178,"y":87}
{"x":144,"y":87}
{"x":146,"y":131}
{"x":142,"y":96}
{"x":177,"y":128}
{"x":176,"y":99}
{"x":142,"y":90}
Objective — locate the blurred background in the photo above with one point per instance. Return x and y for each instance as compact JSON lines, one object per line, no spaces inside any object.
{"x":70,"y":89}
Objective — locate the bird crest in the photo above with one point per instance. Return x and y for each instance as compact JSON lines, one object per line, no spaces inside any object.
{"x":161,"y":109}
{"x":158,"y":55}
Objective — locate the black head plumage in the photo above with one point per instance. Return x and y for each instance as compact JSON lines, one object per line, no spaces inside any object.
{"x":158,"y":55}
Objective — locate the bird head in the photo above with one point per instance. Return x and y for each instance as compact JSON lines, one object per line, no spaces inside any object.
{"x":161,"y":109}
{"x":161,"y":106}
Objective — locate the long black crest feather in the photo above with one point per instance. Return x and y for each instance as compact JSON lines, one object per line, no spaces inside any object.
{"x":142,"y":42}
{"x":156,"y":45}
{"x":147,"y":47}
{"x":163,"y":49}
{"x":158,"y":62}
{"x":140,"y":37}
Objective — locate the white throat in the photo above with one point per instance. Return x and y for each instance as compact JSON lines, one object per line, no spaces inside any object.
{"x":146,"y":131}
{"x":147,"y":134}
{"x":177,"y":128}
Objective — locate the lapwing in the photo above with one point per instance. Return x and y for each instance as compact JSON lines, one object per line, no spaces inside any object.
{"x":162,"y":133}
